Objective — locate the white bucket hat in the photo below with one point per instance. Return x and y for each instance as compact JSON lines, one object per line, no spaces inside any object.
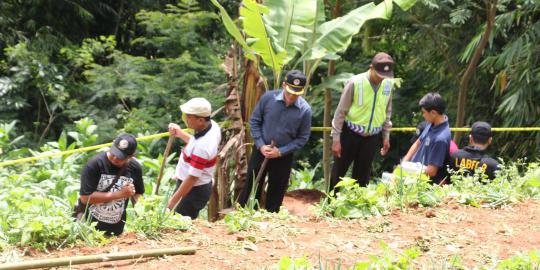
{"x":197,"y":106}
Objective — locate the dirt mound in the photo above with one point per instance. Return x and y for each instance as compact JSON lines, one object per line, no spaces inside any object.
{"x":298,"y":201}
{"x":306,"y":195}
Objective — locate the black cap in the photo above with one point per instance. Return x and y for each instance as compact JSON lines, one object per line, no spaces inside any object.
{"x":295,"y":81}
{"x":124,"y":146}
{"x":383,"y":65}
{"x":481,"y":130}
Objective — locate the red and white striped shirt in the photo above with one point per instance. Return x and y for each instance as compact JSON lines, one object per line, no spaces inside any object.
{"x":199,"y":156}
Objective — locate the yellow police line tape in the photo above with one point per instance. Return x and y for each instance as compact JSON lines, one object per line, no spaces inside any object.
{"x":79,"y":150}
{"x":166,"y":134}
{"x":409,"y":129}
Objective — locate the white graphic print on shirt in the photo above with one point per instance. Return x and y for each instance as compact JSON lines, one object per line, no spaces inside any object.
{"x":110,"y":212}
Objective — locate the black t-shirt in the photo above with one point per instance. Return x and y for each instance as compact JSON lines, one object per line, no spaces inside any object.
{"x":97,"y":175}
{"x":470,"y":158}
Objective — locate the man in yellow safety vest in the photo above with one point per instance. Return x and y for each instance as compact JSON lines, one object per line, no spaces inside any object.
{"x":362,"y":119}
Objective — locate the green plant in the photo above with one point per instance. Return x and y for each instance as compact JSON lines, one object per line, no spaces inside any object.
{"x":150,"y":217}
{"x":6,"y":141}
{"x":288,"y":263}
{"x":303,"y":179}
{"x":390,"y":259}
{"x":526,"y":261}
{"x":353,"y":201}
{"x":244,"y":218}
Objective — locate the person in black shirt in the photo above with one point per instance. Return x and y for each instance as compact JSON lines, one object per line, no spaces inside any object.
{"x":108,"y":181}
{"x":472,"y":156}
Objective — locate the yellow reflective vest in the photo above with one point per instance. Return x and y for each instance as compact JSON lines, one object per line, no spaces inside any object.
{"x":368,"y":108}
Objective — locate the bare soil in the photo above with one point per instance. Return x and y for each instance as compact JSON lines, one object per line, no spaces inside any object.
{"x":478,"y":236}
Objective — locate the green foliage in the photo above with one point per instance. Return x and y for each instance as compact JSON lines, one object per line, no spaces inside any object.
{"x":31,"y":219}
{"x":288,"y":263}
{"x":509,"y":187}
{"x":406,"y":260}
{"x":413,"y":189}
{"x":514,"y":183}
{"x":244,"y":218}
{"x":305,"y":178}
{"x":150,"y":217}
{"x":6,"y":140}
{"x":388,"y":260}
{"x":91,"y":51}
{"x":353,"y":201}
{"x":36,"y":199}
{"x":178,"y":28}
{"x":530,"y":260}
{"x":278,"y":30}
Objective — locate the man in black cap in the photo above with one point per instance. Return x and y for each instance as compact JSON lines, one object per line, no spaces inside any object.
{"x":108,"y":180}
{"x":279,"y":125}
{"x":362,"y":120}
{"x":473,"y":156}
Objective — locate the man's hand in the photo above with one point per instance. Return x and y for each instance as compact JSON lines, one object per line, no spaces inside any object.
{"x":336,"y":149}
{"x":174,"y":129}
{"x":127,"y":190}
{"x":270,"y":152}
{"x":386,"y":146}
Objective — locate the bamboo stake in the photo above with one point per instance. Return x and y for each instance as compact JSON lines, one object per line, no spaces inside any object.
{"x":164,"y":162}
{"x":67,"y":261}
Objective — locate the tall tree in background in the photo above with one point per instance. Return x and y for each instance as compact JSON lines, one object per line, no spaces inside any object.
{"x":491,"y":9}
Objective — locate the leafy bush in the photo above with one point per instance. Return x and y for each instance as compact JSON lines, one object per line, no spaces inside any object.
{"x":515,"y":182}
{"x":6,"y":141}
{"x":36,"y":199}
{"x":303,"y":179}
{"x":150,"y":217}
{"x":530,"y":260}
{"x":29,"y":218}
{"x":509,"y":187}
{"x":353,"y":201}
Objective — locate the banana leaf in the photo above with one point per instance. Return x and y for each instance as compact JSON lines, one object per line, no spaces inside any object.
{"x":262,"y":37}
{"x":293,"y":20}
{"x":230,"y":26}
{"x":336,"y":35}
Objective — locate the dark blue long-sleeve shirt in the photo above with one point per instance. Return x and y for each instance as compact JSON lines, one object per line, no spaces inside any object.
{"x":289,"y":127}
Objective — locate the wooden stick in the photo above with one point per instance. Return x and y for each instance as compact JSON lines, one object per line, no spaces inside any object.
{"x":260,"y":180}
{"x":163,"y":162}
{"x":130,"y":255}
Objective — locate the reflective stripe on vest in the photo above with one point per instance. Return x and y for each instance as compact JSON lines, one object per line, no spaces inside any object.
{"x":368,"y":110}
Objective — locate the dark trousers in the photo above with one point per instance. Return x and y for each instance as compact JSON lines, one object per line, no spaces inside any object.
{"x":358,"y":149}
{"x":194,"y":201}
{"x":278,"y":170}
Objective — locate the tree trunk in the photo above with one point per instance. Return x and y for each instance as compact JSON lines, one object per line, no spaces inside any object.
{"x":491,"y":9}
{"x":327,"y":118}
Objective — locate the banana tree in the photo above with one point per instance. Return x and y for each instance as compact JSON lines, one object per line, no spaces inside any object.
{"x":281,"y":29}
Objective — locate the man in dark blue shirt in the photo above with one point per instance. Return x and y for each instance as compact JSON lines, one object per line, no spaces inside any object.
{"x":432,"y":147}
{"x":283,"y":118}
